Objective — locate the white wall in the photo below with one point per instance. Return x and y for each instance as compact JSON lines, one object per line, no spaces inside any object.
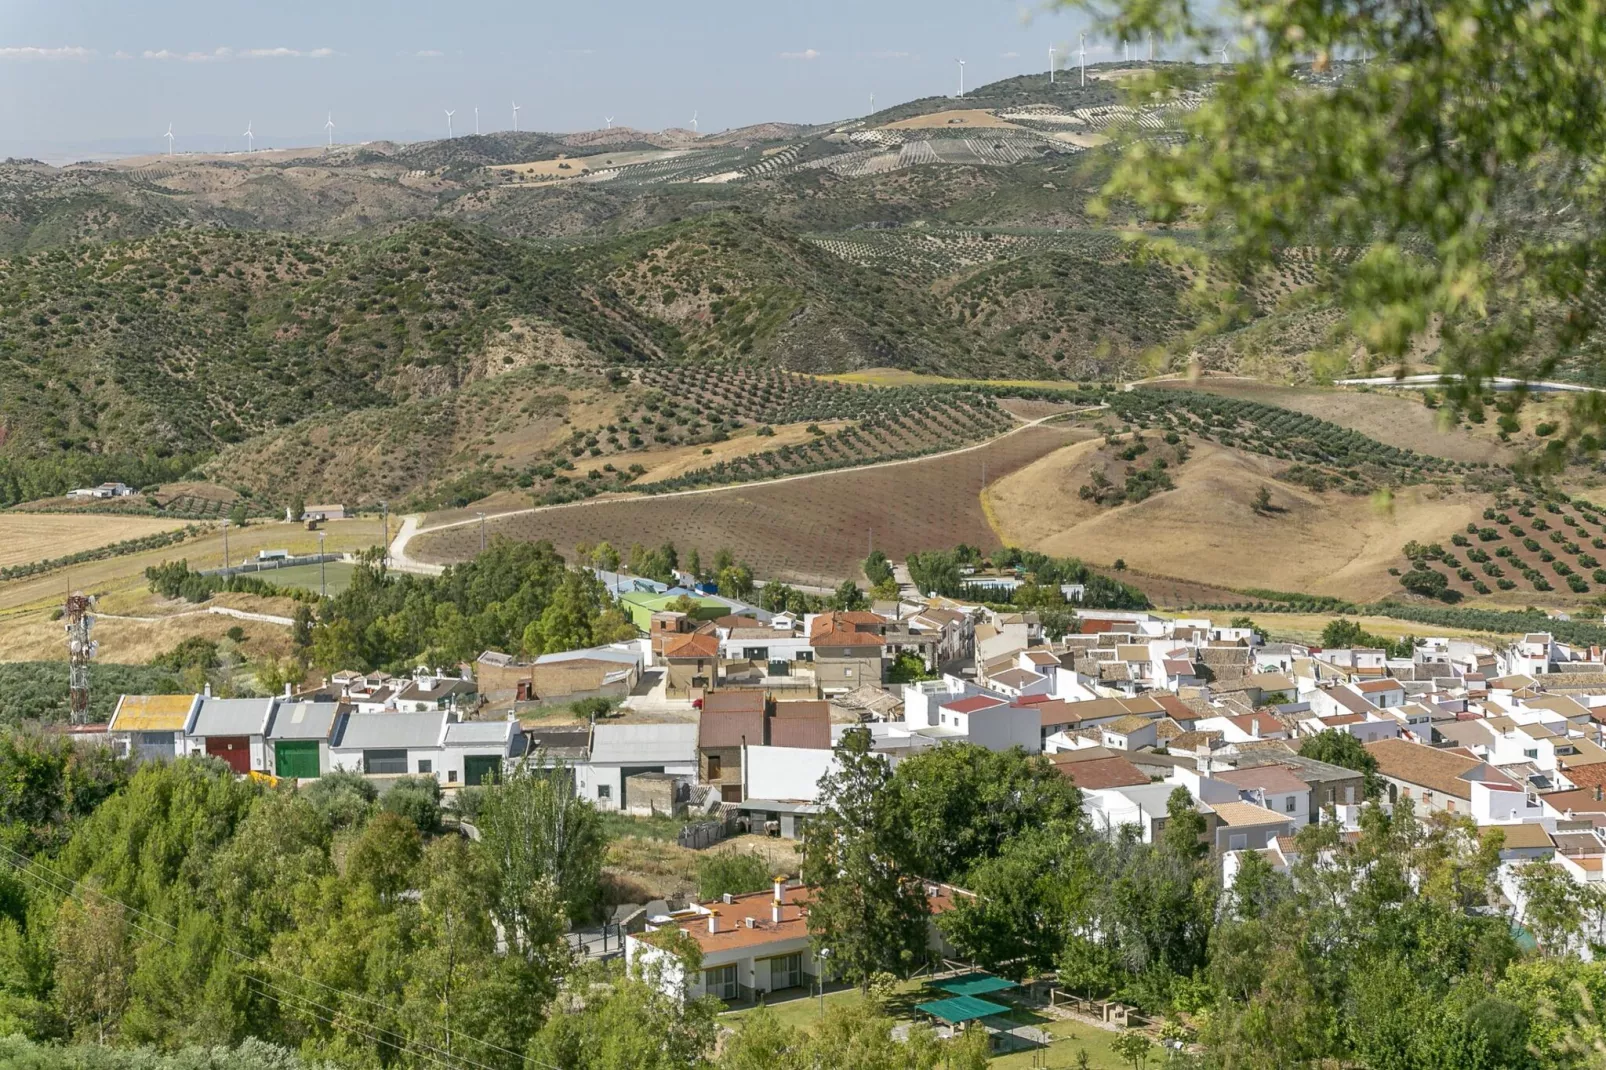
{"x":791,"y":773}
{"x":1003,"y":727}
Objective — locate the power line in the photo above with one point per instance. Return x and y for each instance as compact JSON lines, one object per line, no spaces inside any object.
{"x":29,"y":866}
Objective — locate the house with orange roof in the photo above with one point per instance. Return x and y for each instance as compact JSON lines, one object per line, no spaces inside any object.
{"x":751,"y":945}
{"x":691,"y":663}
{"x":848,"y":650}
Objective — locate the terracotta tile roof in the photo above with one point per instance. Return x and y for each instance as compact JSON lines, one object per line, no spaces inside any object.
{"x":1193,"y":740}
{"x":1273,"y":778}
{"x":1582,"y":801}
{"x":692,"y":646}
{"x":734,"y":932}
{"x":1112,"y":772}
{"x":976,"y":703}
{"x":805,"y":723}
{"x":729,"y":728}
{"x":734,"y":700}
{"x":1427,"y":767}
{"x":1129,"y":724}
{"x":1376,"y":687}
{"x":1520,"y":837}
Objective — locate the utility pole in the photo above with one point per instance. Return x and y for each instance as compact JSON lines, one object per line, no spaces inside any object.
{"x":482,"y":531}
{"x":225,"y":549}
{"x":323,"y":583}
{"x":384,"y":511}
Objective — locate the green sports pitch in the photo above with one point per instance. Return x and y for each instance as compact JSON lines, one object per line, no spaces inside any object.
{"x":337,"y":575}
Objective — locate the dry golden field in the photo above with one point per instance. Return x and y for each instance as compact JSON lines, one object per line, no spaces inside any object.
{"x":29,"y":537}
{"x":1207,"y":531}
{"x":966,"y":117}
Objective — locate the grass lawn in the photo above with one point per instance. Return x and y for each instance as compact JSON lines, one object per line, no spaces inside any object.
{"x":803,"y":1012}
{"x":336,"y":573}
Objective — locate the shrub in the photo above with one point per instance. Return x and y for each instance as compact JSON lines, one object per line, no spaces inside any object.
{"x":731,"y":872}
{"x":416,"y":798}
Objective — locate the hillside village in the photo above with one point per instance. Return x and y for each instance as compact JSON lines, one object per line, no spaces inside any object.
{"x":730,"y":716}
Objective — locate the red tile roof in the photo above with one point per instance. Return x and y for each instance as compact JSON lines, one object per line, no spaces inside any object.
{"x":1113,"y":772}
{"x":692,"y":646}
{"x":975,"y":703}
{"x":801,"y":724}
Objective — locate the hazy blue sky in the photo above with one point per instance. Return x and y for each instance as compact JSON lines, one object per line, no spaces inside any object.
{"x":79,"y":73}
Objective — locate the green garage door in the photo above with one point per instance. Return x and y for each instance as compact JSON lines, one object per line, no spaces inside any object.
{"x":482,"y":769}
{"x":297,"y":758}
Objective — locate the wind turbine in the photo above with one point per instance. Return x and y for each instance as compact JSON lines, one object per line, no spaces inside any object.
{"x":1126,"y":50}
{"x":1151,"y":46}
{"x":609,"y":120}
{"x":449,"y":114}
{"x":250,"y":139}
{"x":515,"y":116}
{"x":169,"y":136}
{"x":1050,"y":64}
{"x":961,"y":78}
{"x":1224,"y":54}
{"x":872,"y":103}
{"x":329,"y":126}
{"x":694,"y":122}
{"x":1084,"y":59}
{"x":476,"y":122}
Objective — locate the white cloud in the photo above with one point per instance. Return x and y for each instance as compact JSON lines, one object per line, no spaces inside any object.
{"x":582,"y":51}
{"x":806,"y":54}
{"x":429,"y":53}
{"x":288,"y":53}
{"x":34,"y":52}
{"x":218,"y":55}
{"x":120,"y":54}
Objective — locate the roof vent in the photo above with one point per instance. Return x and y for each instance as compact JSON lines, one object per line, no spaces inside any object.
{"x":727,"y":898}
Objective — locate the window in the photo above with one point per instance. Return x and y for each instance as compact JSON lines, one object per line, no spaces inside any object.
{"x":1349,"y":795}
{"x":716,"y":767}
{"x":756,"y":653}
{"x":1238,"y":841}
{"x":1530,"y":752}
{"x":1288,"y":805}
{"x":1449,"y":804}
{"x":847,"y":672}
{"x":805,"y":655}
{"x":605,"y":791}
{"x":384,"y":761}
{"x":425,"y":765}
{"x":786,"y":971}
{"x":720,"y":982}
{"x":451,"y":776}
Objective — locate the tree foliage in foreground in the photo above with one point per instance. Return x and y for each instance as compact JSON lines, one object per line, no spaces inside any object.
{"x":1458,"y":169}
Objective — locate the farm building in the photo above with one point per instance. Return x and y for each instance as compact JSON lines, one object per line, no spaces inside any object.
{"x":430,"y":743}
{"x":298,"y":739}
{"x":233,"y":730}
{"x":144,"y":727}
{"x":324,"y":512}
{"x":619,"y":751}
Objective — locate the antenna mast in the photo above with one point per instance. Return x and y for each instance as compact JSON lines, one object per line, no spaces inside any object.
{"x":80,"y":649}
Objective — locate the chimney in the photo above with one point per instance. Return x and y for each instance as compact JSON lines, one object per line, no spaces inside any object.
{"x":287,"y":689}
{"x":780,"y":897}
{"x":1597,"y":793}
{"x":713,"y":921}
{"x":208,"y":690}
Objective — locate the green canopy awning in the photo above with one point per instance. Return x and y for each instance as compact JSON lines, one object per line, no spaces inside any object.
{"x":975,"y":984}
{"x":961,"y":1009}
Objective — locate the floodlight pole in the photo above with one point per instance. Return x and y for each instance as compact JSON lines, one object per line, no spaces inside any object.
{"x":323,"y":582}
{"x":384,"y":511}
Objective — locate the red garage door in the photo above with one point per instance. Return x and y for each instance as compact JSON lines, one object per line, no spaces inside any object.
{"x":236,"y":750}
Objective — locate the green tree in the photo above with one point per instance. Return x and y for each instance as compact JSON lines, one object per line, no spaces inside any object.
{"x":384,"y":855}
{"x":1015,"y":924}
{"x":1337,"y":747}
{"x":566,"y":622}
{"x":877,"y":569}
{"x":847,"y":597}
{"x":867,"y":911}
{"x":1432,"y":161}
{"x":545,"y":844}
{"x":731,"y":871}
{"x":92,"y":965}
{"x":735,"y":581}
{"x":1133,"y":1047}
